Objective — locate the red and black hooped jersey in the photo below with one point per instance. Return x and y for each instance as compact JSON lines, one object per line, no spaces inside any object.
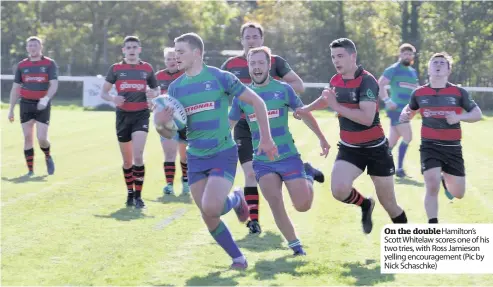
{"x":434,"y":106}
{"x":350,"y":93}
{"x":165,"y":78}
{"x":131,"y":82}
{"x":35,"y":76}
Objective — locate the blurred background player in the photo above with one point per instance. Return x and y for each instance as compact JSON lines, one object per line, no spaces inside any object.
{"x":403,"y":79}
{"x":131,"y":77}
{"x":288,"y":167}
{"x":252,"y":36}
{"x":179,"y":142}
{"x":353,"y":94}
{"x":441,"y":105}
{"x":212,"y":154}
{"x":35,"y":82}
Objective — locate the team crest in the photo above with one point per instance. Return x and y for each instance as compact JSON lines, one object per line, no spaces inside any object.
{"x":370,"y":94}
{"x":43,"y":69}
{"x":277,"y":95}
{"x":208,"y":85}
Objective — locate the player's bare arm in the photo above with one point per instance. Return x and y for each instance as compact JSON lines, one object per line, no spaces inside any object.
{"x":43,"y":102}
{"x":319,"y":104}
{"x":383,"y":94}
{"x":294,"y":81}
{"x":312,"y":124}
{"x":469,"y":117}
{"x":232,"y":124}
{"x":407,"y":114}
{"x":161,"y":120}
{"x":14,"y":97}
{"x":118,"y":100}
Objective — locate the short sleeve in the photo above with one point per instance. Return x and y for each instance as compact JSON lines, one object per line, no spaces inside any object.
{"x":111,"y":76}
{"x":53,"y":71}
{"x":151,"y":80}
{"x":466,"y":100}
{"x":282,"y":67}
{"x":294,"y":101}
{"x":233,"y":86}
{"x":223,"y":66}
{"x":18,"y":76}
{"x":368,"y":90}
{"x":235,"y":112}
{"x":389,"y":72}
{"x":413,"y":103}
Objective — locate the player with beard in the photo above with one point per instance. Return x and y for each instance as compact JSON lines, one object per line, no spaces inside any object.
{"x":441,"y":105}
{"x":131,"y":77}
{"x":403,"y":79}
{"x":35,"y":82}
{"x":252,"y":36}
{"x":212,"y":154}
{"x":353,"y":94}
{"x":179,"y":142}
{"x":288,"y":167}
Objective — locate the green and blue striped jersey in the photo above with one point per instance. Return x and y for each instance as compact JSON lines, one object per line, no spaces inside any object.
{"x":403,"y":80}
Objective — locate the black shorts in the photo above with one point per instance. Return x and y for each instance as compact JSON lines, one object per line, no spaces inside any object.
{"x":29,"y":111}
{"x":243,"y":139}
{"x":378,"y":159}
{"x":130,"y":122}
{"x":449,"y":158}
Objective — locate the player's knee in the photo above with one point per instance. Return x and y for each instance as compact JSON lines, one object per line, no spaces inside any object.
{"x":304,"y":205}
{"x":340,"y":190}
{"x":273,"y":198}
{"x":28,"y":137}
{"x":43,"y":141}
{"x":432,"y":186}
{"x":457,"y":191}
{"x":407,"y":137}
{"x":210,"y":209}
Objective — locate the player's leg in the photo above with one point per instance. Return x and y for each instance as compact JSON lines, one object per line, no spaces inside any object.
{"x":169,"y":149}
{"x":243,"y":138}
{"x":27,"y":113}
{"x":350,"y":163}
{"x":140,"y":128}
{"x":404,"y":130}
{"x":431,"y":167}
{"x":42,"y":124}
{"x":393,"y":132}
{"x":381,"y":169}
{"x":182,"y":149}
{"x":123,"y":131}
{"x":299,"y":182}
{"x":454,"y":175}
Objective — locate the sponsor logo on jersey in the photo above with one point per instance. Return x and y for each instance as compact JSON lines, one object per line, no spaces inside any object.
{"x":200,"y":108}
{"x":43,"y":69}
{"x":430,"y":113}
{"x":270,"y":114}
{"x":138,"y":87}
{"x":407,"y":85}
{"x":34,"y":79}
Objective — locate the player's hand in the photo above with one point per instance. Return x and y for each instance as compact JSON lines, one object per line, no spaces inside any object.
{"x":296,"y":115}
{"x":452,"y":119}
{"x":300,"y":112}
{"x":11,"y":116}
{"x":163,"y":117}
{"x":118,"y":100}
{"x":43,"y":103}
{"x":390,"y":105}
{"x":268,"y":147}
{"x":329,"y":97}
{"x":325,"y":147}
{"x":405,"y":116}
{"x":151,"y":94}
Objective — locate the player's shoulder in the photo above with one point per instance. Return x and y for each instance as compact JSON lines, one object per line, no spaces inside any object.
{"x":23,"y":62}
{"x":281,"y":84}
{"x":232,"y":60}
{"x":176,"y":82}
{"x":146,"y":66}
{"x":367,"y":77}
{"x":162,"y":72}
{"x":217,"y":72}
{"x":393,"y":66}
{"x":456,"y":86}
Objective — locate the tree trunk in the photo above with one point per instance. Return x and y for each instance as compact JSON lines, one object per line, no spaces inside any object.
{"x":405,"y":21}
{"x":415,"y":37}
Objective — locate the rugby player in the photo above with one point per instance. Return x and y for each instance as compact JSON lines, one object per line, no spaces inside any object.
{"x":353,"y":94}
{"x":288,"y":167}
{"x":212,"y":154}
{"x":179,"y":142}
{"x":131,"y":77}
{"x":402,"y":79}
{"x":252,"y":36}
{"x":441,"y":105}
{"x":35,"y":82}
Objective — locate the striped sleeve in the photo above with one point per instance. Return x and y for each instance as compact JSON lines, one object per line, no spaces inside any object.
{"x":53,"y":71}
{"x":294,"y":101}
{"x":233,"y":86}
{"x":235,"y":112}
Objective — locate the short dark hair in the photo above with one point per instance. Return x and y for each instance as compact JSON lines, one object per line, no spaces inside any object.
{"x":252,"y":25}
{"x":407,"y":47}
{"x":193,"y":39}
{"x":262,"y":49}
{"x":345,"y":43}
{"x":444,"y":55}
{"x":34,"y":38}
{"x":131,"y":39}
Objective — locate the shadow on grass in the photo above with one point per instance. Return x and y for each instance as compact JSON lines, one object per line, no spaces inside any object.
{"x":409,"y":181}
{"x":171,"y":198}
{"x":126,"y":214}
{"x":25,"y":178}
{"x":366,"y":274}
{"x":265,"y":242}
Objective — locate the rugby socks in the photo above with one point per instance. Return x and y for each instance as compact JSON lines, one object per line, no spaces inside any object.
{"x":231,"y":202}
{"x":169,"y":171}
{"x":433,"y":220}
{"x":402,"y":152}
{"x":401,"y":218}
{"x":29,"y":155}
{"x":252,"y":199}
{"x":357,"y":199}
{"x":129,"y":179}
{"x":224,"y":238}
{"x":184,"y":171}
{"x":295,"y":245}
{"x":46,"y":150}
{"x":139,"y":172}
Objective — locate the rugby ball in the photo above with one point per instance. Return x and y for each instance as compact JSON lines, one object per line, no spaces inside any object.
{"x":179,"y":121}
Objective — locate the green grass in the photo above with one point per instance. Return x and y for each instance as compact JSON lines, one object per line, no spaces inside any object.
{"x":72,"y":228}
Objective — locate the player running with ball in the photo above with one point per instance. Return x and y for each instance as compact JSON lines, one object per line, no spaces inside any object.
{"x":288,"y":167}
{"x":212,"y":154}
